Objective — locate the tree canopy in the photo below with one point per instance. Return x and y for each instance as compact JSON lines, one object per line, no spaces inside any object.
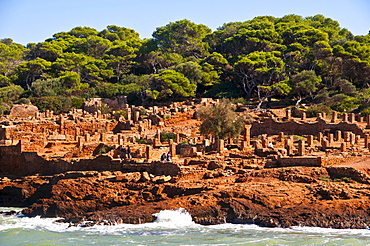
{"x":311,"y":59}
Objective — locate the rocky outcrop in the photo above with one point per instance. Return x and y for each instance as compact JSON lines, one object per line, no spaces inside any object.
{"x":274,"y":197}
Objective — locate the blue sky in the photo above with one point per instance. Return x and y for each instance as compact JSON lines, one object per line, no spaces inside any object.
{"x":32,"y":21}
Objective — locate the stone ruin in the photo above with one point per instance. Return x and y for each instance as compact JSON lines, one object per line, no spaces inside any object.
{"x":45,"y":143}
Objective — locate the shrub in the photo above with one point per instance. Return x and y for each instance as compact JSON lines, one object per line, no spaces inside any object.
{"x":315,"y":109}
{"x":166,"y":136}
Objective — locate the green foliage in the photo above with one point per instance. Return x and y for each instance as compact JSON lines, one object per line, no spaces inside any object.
{"x":173,"y":84}
{"x":365,"y":112}
{"x":77,"y":102}
{"x":305,"y":82}
{"x":56,"y":104}
{"x":48,"y":88}
{"x":118,"y":114}
{"x":312,"y":111}
{"x":346,"y":103}
{"x":140,"y":141}
{"x":104,"y":108}
{"x":166,"y":136}
{"x":291,"y":57}
{"x":220,"y":120}
{"x":11,"y":93}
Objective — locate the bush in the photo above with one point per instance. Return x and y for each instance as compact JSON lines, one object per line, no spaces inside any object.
{"x":56,"y":104}
{"x":365,"y":112}
{"x":118,"y":114}
{"x":315,"y":109}
{"x":346,"y":103}
{"x":166,"y":136}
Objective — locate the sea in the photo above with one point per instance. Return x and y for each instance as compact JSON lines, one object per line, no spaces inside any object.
{"x":171,"y":227}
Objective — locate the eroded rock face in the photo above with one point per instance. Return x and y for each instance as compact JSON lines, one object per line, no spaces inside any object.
{"x":280,"y":197}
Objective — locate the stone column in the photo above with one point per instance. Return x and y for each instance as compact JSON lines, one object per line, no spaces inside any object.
{"x":343,"y":147}
{"x":244,"y":145}
{"x":351,"y":118}
{"x":265,"y":142}
{"x":148,"y":152}
{"x":338,"y":135}
{"x":220,"y":146}
{"x":289,"y":149}
{"x":158,"y":135}
{"x":366,"y":141}
{"x":345,"y":117}
{"x":303,"y":116}
{"x":80,"y":141}
{"x":136,"y":116}
{"x":320,"y":137}
{"x":334,"y":117}
{"x":319,"y":116}
{"x":173,"y":149}
{"x":310,"y":140}
{"x":288,"y":114}
{"x":281,"y":136}
{"x":347,"y":136}
{"x":352,"y":137}
{"x":301,"y":148}
{"x":247,"y":133}
{"x":331,"y":139}
{"x":103,"y":137}
{"x":357,"y":139}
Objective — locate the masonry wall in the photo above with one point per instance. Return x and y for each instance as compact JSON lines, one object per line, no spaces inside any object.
{"x":272,"y":127}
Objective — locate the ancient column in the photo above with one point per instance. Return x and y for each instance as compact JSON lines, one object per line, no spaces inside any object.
{"x":366,"y":141}
{"x":172,"y":149}
{"x":148,"y":152}
{"x":220,"y":146}
{"x":334,"y":116}
{"x":343,"y":147}
{"x":103,"y":137}
{"x":247,"y":133}
{"x":357,"y":139}
{"x":136,"y":116}
{"x":324,"y":115}
{"x":310,"y":140}
{"x":351,"y":118}
{"x":345,"y":117}
{"x":265,"y":141}
{"x":158,"y":134}
{"x":352,"y":137}
{"x":319,"y":116}
{"x":303,"y":116}
{"x":331,"y":139}
{"x":301,"y":148}
{"x":288,"y":114}
{"x":320,"y":137}
{"x":338,"y":135}
{"x":347,"y":136}
{"x":281,"y":136}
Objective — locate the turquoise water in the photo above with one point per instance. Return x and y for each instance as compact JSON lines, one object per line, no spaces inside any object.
{"x":170,"y":228}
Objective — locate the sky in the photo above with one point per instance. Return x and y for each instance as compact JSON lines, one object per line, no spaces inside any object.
{"x":33,"y":21}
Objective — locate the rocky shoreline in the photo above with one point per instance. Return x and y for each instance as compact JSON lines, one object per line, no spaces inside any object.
{"x":269,"y":197}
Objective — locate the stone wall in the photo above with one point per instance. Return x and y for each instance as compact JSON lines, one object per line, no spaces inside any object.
{"x":299,"y":161}
{"x":273,"y":127}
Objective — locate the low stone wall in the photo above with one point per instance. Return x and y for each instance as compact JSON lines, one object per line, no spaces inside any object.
{"x":299,"y":161}
{"x":273,"y":127}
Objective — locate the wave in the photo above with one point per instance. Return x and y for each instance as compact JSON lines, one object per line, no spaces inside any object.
{"x":167,"y":222}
